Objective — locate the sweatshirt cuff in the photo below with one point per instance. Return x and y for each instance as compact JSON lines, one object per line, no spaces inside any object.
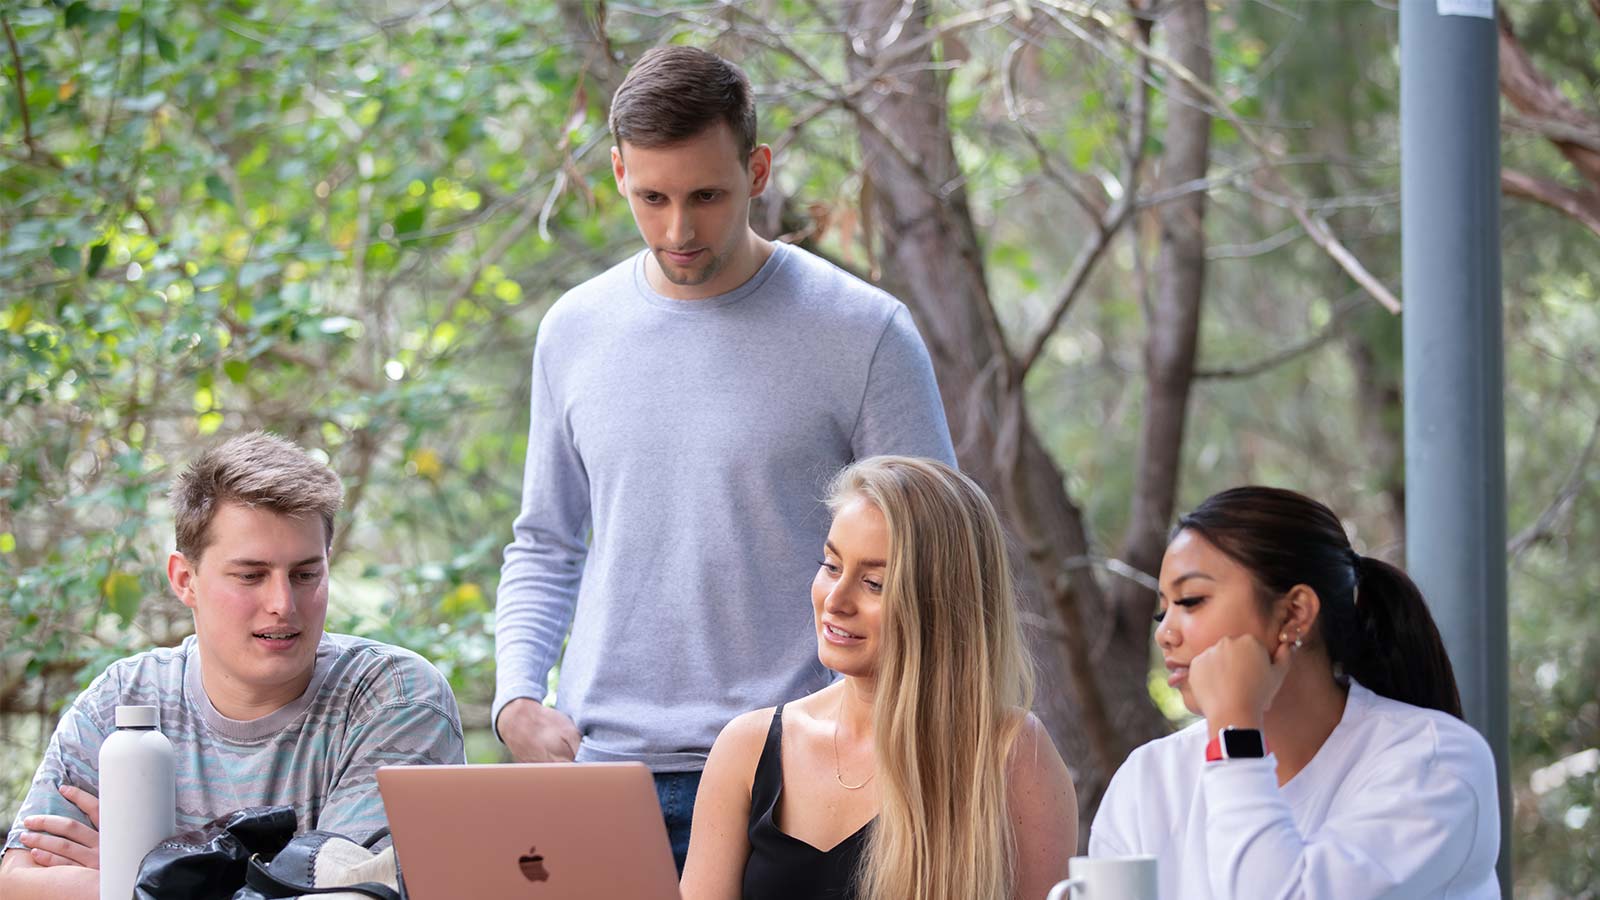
{"x":508,"y":693}
{"x":1234,"y":785}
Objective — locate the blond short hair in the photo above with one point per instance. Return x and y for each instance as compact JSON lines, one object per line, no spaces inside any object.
{"x":256,"y":470}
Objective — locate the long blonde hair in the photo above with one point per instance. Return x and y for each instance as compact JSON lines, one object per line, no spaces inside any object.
{"x":952,"y":674}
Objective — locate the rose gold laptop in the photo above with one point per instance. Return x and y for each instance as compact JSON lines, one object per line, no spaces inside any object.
{"x":547,"y":831}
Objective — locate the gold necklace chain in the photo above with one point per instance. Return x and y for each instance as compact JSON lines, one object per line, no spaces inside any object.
{"x":837,"y":775}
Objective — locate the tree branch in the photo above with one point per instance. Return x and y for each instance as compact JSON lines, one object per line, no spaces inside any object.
{"x":1540,"y":529}
{"x":1584,"y":206}
{"x":1326,"y":333}
{"x":1255,"y":248}
{"x":1556,"y":130}
{"x":1111,"y":221}
{"x":1534,"y":95}
{"x":1094,"y":205}
{"x":367,"y":445}
{"x":1316,"y":229}
{"x":294,"y":358}
{"x":845,"y":96}
{"x":22,"y":88}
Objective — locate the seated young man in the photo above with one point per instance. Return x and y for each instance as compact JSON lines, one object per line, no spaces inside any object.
{"x":261,"y":705}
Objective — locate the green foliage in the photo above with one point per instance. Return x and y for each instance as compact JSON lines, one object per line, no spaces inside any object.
{"x":221,"y":216}
{"x":343,"y":224}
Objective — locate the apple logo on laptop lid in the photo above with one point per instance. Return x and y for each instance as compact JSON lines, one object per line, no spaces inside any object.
{"x":532,"y":865}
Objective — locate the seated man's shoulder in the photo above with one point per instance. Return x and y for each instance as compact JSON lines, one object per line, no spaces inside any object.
{"x":363,"y":669}
{"x":156,"y":660}
{"x":153,"y":677}
{"x":377,"y":697}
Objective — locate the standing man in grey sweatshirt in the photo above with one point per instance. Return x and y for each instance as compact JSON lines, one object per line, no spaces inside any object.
{"x":688,"y":407}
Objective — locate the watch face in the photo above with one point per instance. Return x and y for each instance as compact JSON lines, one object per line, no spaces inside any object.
{"x":1243,"y":743}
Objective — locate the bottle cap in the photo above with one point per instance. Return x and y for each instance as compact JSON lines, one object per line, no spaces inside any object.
{"x":137,"y":717}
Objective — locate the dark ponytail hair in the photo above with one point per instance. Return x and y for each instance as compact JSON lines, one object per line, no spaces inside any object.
{"x":1374,"y":622}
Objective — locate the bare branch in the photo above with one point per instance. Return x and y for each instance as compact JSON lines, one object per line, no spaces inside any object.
{"x":863,"y":117}
{"x":569,"y":173}
{"x":1543,"y":527}
{"x":1095,"y":206}
{"x":846,"y":96}
{"x":1534,"y":95}
{"x":1257,"y":248}
{"x":22,"y":88}
{"x":1584,"y":206}
{"x":367,"y":445}
{"x":288,"y":355}
{"x":1110,"y":222}
{"x":1236,"y":174}
{"x":1329,"y":331}
{"x":519,"y":227}
{"x":800,"y":121}
{"x":1318,"y":230}
{"x":1108,"y":564}
{"x":1555,"y":130}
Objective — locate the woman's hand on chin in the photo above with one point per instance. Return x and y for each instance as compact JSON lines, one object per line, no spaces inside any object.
{"x":1235,"y":679}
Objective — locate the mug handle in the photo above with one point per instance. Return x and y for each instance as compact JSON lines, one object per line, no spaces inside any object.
{"x":1063,"y":889}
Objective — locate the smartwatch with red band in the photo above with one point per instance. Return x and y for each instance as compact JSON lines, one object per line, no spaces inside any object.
{"x":1236,"y":743}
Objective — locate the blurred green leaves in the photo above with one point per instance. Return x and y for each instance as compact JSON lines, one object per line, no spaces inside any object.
{"x":313,"y":218}
{"x":220,"y":216}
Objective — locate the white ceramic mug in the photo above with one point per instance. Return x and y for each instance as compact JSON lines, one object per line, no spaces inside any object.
{"x":1108,"y":878}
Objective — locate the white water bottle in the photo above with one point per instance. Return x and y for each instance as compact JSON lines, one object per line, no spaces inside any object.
{"x":138,"y":798}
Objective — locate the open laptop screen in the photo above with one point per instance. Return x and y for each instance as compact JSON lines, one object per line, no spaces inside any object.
{"x":545,"y":831}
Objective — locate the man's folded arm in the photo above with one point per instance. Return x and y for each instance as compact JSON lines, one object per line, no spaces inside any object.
{"x":23,"y":879}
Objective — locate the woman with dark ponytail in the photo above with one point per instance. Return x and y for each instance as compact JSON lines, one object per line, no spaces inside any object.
{"x":1332,"y":760}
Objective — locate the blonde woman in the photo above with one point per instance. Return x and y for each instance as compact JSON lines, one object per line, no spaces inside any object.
{"x":919,"y":773}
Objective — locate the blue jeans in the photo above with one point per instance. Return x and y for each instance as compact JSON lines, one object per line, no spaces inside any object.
{"x":675,"y":791}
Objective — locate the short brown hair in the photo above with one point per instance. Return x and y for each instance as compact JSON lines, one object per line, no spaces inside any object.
{"x":258,"y":470}
{"x":674,"y":93}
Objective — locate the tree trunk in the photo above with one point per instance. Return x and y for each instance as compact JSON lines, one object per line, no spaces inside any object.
{"x":1534,"y":95}
{"x":1095,"y":705}
{"x":1172,"y":329}
{"x":1373,"y":346}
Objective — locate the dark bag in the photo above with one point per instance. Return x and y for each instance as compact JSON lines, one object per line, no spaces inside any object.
{"x":254,"y":854}
{"x":210,"y":862}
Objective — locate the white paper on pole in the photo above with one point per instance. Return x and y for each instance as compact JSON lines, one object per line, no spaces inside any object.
{"x":1482,"y":9}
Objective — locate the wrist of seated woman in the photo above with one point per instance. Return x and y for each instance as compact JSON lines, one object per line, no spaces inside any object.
{"x":1232,"y":718}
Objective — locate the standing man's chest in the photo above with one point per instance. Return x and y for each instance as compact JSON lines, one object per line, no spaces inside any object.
{"x":721,"y":393}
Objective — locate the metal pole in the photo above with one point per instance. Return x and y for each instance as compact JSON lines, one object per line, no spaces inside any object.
{"x":1454,"y":369}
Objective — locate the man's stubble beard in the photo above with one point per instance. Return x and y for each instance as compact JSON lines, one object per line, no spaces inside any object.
{"x":691,"y":277}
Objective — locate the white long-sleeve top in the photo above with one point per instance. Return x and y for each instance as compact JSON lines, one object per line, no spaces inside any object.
{"x":1400,"y":802}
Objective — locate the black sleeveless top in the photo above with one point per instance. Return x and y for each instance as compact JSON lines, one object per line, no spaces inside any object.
{"x":782,"y":867}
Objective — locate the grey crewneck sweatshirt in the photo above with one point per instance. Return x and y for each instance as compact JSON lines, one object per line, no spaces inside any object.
{"x":368,"y":705}
{"x":672,"y":515}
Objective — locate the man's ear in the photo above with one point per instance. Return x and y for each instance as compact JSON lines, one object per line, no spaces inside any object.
{"x":618,"y":171}
{"x":760,"y":169}
{"x":181,"y":574}
{"x":1300,"y":611}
